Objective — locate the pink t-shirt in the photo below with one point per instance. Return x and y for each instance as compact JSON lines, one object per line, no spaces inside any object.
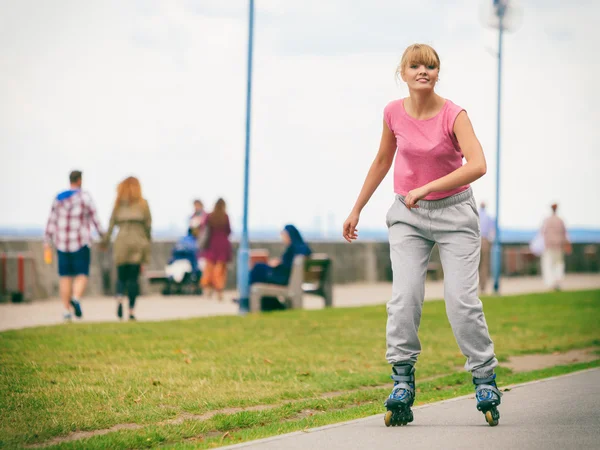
{"x":427,"y":149}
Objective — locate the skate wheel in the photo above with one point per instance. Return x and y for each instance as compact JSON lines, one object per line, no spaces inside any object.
{"x":397,"y":418}
{"x":491,"y":420}
{"x":388,"y":418}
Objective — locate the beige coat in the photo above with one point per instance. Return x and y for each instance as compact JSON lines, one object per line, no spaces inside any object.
{"x":132,"y":245}
{"x":554,"y":233}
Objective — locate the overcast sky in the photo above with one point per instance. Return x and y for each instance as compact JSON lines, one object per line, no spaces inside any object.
{"x":156,"y":89}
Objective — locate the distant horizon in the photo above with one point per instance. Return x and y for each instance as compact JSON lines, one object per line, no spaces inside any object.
{"x":576,"y":234}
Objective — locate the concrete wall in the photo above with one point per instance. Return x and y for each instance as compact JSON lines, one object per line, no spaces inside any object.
{"x":356,"y":262}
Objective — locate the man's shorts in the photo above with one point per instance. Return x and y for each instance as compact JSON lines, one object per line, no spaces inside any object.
{"x":71,"y":264}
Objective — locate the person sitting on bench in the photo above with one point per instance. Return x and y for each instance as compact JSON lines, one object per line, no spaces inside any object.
{"x":278,"y":270}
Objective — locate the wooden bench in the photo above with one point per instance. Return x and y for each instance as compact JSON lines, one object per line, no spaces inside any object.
{"x":310,"y":275}
{"x":156,"y":276}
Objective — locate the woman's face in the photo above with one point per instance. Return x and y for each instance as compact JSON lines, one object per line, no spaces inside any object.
{"x":420,"y":77}
{"x":285,"y":237}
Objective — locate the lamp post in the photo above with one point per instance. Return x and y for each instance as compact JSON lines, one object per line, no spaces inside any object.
{"x":243,"y":256}
{"x":500,"y":7}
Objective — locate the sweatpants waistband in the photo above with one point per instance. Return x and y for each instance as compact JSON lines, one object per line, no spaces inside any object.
{"x":442,"y":202}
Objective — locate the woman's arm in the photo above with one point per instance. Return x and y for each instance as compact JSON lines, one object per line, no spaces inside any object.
{"x":148,"y":222}
{"x":474,"y":169}
{"x":113,"y":221}
{"x":379,"y":169}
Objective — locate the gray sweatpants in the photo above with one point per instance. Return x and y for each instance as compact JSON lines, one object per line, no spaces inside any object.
{"x":453,"y":224}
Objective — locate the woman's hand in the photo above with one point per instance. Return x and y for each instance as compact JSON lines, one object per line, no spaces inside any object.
{"x":274,"y":262}
{"x":349,"y":231}
{"x":414,"y":196}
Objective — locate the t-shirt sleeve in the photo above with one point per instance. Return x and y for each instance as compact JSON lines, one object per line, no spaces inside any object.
{"x":453,"y":112}
{"x":387,"y":116}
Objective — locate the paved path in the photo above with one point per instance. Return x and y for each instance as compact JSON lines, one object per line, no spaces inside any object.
{"x":152,"y":308}
{"x":558,"y":413}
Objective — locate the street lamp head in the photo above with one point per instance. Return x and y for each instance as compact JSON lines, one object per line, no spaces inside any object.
{"x":500,"y":6}
{"x":504,"y":14}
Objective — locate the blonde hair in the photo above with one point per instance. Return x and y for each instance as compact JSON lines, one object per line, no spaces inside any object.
{"x":129,"y":191}
{"x":418,"y":54}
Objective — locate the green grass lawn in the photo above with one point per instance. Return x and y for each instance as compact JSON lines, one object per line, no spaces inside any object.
{"x":306,"y":368}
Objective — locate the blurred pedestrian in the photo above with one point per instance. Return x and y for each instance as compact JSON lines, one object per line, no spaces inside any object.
{"x":217,"y":250}
{"x":556,"y":244}
{"x":131,"y":214}
{"x":198,"y":219}
{"x":69,"y":229}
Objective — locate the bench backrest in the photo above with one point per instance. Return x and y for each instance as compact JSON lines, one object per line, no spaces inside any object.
{"x":316,"y":269}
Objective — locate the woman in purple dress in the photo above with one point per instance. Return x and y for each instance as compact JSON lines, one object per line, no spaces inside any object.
{"x":217,"y":251}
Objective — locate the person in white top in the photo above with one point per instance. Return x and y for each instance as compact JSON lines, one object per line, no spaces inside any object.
{"x":556,"y":244}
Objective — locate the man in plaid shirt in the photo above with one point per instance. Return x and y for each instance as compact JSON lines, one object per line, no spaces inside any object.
{"x":69,"y":228}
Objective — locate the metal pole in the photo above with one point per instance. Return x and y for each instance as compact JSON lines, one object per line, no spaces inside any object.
{"x":497,"y":249}
{"x":243,"y":272}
